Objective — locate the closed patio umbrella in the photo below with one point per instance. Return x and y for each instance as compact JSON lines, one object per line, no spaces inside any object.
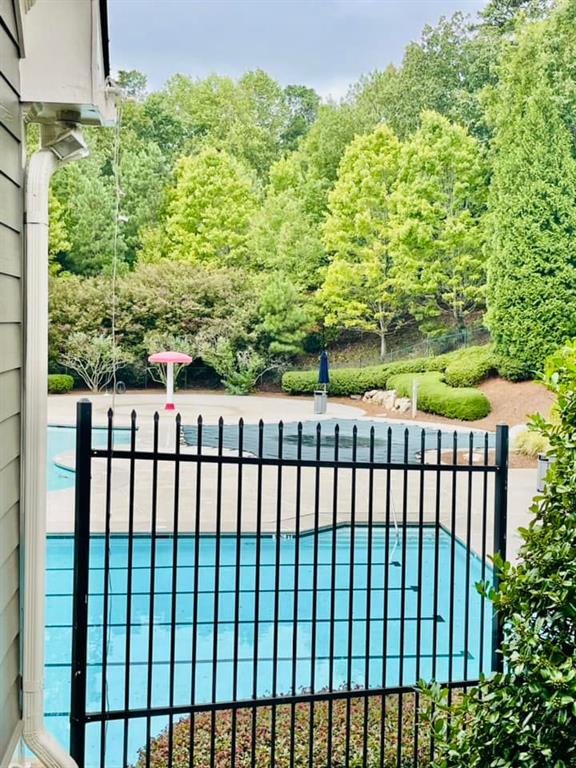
{"x":323,"y":373}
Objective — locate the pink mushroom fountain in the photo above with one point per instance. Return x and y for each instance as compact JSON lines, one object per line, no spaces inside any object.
{"x":169,"y":359}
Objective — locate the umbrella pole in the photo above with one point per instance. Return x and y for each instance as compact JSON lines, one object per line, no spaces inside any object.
{"x":169,"y":387}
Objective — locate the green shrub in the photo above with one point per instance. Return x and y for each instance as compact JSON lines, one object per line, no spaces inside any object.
{"x":512,"y":369}
{"x":343,"y":381}
{"x":60,"y":383}
{"x":472,"y":366}
{"x":435,"y":396}
{"x":356,"y":381}
{"x":297,"y":731}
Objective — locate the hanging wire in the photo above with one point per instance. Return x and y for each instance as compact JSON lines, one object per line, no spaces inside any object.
{"x":117,"y":190}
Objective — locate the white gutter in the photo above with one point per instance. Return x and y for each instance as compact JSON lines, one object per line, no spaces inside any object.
{"x":41,"y":166}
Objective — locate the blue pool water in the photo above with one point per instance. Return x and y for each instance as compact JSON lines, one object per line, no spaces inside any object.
{"x":396,"y":430}
{"x":438,"y":623}
{"x":62,"y":440}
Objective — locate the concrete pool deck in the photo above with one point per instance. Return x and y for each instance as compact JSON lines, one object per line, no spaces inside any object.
{"x":62,"y":411}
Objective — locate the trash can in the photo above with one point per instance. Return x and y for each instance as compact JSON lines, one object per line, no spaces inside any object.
{"x":544,"y":462}
{"x":320,"y":402}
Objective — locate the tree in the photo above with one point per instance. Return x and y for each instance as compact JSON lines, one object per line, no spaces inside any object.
{"x":210,"y":209}
{"x":445,"y":71}
{"x":239,"y":370}
{"x":58,"y":239}
{"x":302,"y":105}
{"x":283,"y":318}
{"x":94,"y":358}
{"x":502,"y":14}
{"x":285,"y":240}
{"x":132,"y":82}
{"x":532,"y":269}
{"x":437,"y":228}
{"x":89,"y":213}
{"x":358,"y":290}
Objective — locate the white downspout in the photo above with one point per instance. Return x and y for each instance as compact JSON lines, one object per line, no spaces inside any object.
{"x":48,"y":750}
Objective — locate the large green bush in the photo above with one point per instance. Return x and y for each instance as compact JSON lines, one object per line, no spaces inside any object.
{"x":526,"y":716}
{"x":59,"y":383}
{"x":470,"y":366}
{"x":435,"y":396}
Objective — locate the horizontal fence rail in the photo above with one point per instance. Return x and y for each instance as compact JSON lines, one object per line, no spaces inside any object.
{"x":250,"y":595}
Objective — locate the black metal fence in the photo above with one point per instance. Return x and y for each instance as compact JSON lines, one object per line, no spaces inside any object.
{"x":261,"y":595}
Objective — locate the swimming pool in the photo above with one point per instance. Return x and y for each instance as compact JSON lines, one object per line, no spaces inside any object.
{"x":397,"y":431}
{"x":464,"y":623}
{"x":63,"y":440}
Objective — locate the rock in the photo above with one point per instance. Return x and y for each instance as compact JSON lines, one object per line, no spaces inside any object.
{"x":357,"y":397}
{"x":403,"y":404}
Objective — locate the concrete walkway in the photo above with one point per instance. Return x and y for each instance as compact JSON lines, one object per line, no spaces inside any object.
{"x":411,"y":496}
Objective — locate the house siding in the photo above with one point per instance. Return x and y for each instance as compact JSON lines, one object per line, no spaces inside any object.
{"x":11,"y":251}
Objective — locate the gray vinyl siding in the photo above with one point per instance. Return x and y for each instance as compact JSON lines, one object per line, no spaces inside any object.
{"x":11,"y":218}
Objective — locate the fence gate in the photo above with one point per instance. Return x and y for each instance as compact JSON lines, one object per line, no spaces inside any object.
{"x":270,"y":595}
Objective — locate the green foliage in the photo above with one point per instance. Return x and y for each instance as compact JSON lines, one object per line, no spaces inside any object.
{"x":526,"y":716}
{"x":470,"y":366}
{"x":435,"y":396}
{"x":169,"y":299}
{"x":340,"y":716}
{"x":436,"y":229}
{"x":512,"y":369}
{"x":238,"y":369}
{"x":283,"y":318}
{"x":445,"y":71}
{"x":210,"y":210}
{"x":356,"y":381}
{"x":358,"y":290}
{"x":60,"y":383}
{"x":532,"y":275}
{"x":94,"y":358}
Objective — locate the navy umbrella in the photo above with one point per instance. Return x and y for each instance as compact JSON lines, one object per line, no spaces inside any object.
{"x":323,"y":374}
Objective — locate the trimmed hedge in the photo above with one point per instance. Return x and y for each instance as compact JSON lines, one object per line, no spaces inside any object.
{"x":356,"y":381}
{"x":60,"y":383}
{"x":463,"y":367}
{"x":435,"y":396}
{"x":470,"y":366}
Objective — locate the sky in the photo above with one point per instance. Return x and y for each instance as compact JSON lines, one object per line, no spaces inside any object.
{"x":326,"y":44}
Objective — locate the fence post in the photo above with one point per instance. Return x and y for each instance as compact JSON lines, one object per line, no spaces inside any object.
{"x":500,"y":527}
{"x":81,"y":576}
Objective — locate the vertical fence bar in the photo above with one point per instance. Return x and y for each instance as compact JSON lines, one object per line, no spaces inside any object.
{"x":257,"y":565}
{"x":81,"y":579}
{"x":215,"y":638}
{"x":368,"y":626}
{"x":419,"y":595}
{"x":452,"y":566}
{"x":129,"y":565}
{"x":484,"y":537}
{"x":237,"y":587}
{"x":298,"y":513}
{"x":352,"y":566}
{"x":174,"y":587}
{"x":152,"y":601}
{"x":277,"y":556}
{"x":313,"y":639}
{"x":195,"y":589}
{"x":468,"y":550}
{"x":385,"y":607}
{"x":403,"y":599}
{"x":500,"y":530}
{"x":106,"y":602}
{"x":332,"y":593}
